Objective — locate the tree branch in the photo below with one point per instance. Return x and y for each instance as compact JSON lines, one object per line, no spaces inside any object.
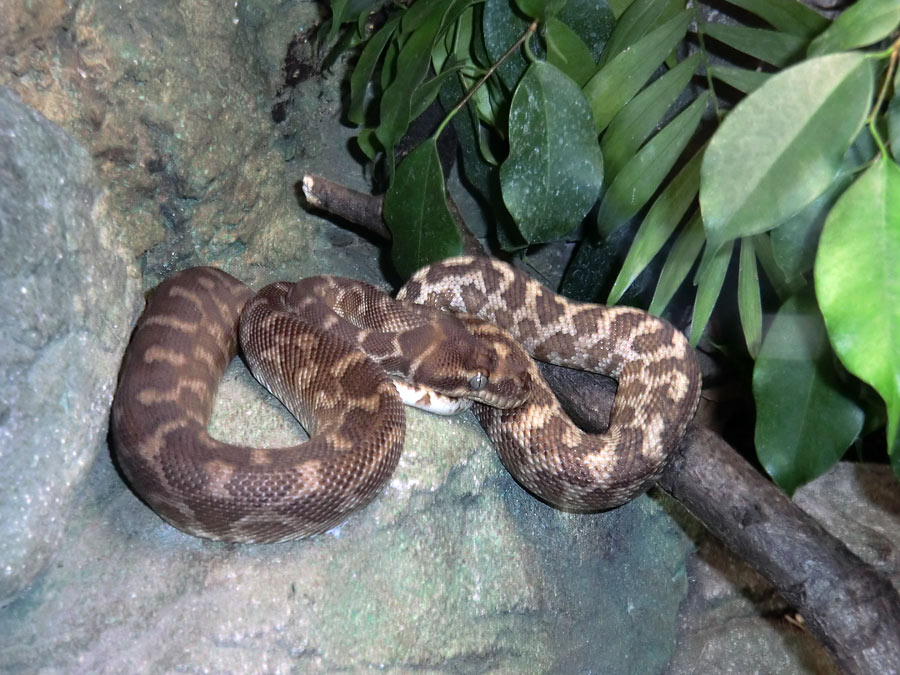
{"x":356,"y":207}
{"x":851,"y":608}
{"x":364,"y":210}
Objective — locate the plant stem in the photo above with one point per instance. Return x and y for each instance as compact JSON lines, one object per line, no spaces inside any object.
{"x":893,"y":52}
{"x":706,"y":65}
{"x":490,"y":71}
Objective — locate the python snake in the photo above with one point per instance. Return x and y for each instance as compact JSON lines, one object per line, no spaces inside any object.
{"x":325,"y":347}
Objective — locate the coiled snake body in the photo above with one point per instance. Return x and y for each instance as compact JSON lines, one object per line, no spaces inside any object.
{"x":325,"y":347}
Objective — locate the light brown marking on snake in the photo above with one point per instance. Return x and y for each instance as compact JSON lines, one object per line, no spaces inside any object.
{"x":679,"y":386}
{"x":190,"y":296}
{"x":206,"y":283}
{"x":330,"y":321}
{"x":172,"y":322}
{"x":219,"y":474}
{"x":204,"y":356}
{"x":173,"y":357}
{"x":150,"y":447}
{"x":151,"y":396}
{"x":260,"y":457}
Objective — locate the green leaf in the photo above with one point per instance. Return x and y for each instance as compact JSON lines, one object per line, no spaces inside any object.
{"x":412,"y":65}
{"x":678,"y":264}
{"x":784,"y":286}
{"x":486,"y":101}
{"x":415,"y":210}
{"x":338,"y":9}
{"x":858,"y":286}
{"x":749,"y":303}
{"x":644,"y":173}
{"x":861,"y":24}
{"x":540,"y":9}
{"x":422,"y":13}
{"x":554,"y":170}
{"x":657,"y":227}
{"x":894,"y":454}
{"x":795,"y":240}
{"x":782,"y":145}
{"x":619,"y":80}
{"x":638,"y":119}
{"x":805,"y":420}
{"x":461,"y":42}
{"x":709,"y":279}
{"x":480,"y":176}
{"x":740,"y":78}
{"x":771,"y":46}
{"x":592,"y":20}
{"x":787,"y":16}
{"x":456,"y":10}
{"x":368,"y":143}
{"x":365,"y":67}
{"x":893,"y":124}
{"x":567,"y":51}
{"x":618,"y":7}
{"x":389,"y":63}
{"x":501,"y":27}
{"x":640,"y":18}
{"x":426,"y":92}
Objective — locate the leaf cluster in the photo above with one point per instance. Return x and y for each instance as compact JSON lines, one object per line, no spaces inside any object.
{"x":590,"y":121}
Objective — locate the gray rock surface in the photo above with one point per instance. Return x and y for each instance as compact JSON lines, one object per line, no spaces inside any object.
{"x":453,"y":569}
{"x":67,"y":304}
{"x":734,"y":622}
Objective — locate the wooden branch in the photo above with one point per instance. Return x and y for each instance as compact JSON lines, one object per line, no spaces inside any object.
{"x":851,"y":608}
{"x":356,"y":207}
{"x":365,"y":210}
{"x":847,"y":605}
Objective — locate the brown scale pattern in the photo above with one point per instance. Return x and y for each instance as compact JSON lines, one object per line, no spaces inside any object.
{"x":657,"y":372}
{"x":184,"y":340}
{"x":414,"y":343}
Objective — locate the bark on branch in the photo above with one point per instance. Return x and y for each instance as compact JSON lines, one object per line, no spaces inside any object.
{"x":365,"y":209}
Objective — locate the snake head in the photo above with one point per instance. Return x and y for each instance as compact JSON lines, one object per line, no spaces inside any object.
{"x":496,"y":369}
{"x":462,"y":356}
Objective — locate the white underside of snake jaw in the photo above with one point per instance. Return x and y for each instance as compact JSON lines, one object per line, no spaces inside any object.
{"x":426,"y":398}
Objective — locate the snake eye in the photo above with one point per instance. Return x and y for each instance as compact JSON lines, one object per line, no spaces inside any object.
{"x":478,"y":382}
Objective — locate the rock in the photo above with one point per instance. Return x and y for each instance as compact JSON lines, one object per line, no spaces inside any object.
{"x":735,"y":622}
{"x":454,"y":568}
{"x":860,"y":505}
{"x":67,"y":304}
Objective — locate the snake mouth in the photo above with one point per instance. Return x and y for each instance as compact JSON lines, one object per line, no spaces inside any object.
{"x":502,"y":402}
{"x":511,"y":393}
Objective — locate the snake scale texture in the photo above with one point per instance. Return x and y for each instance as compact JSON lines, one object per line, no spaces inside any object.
{"x":331,"y":350}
